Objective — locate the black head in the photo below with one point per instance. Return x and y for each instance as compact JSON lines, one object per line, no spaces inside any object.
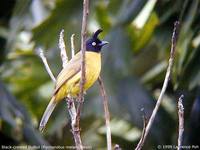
{"x":94,"y":44}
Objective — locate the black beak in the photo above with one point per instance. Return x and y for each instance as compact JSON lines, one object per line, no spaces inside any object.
{"x":103,"y":43}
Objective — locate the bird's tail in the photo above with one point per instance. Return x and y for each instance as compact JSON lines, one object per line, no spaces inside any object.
{"x":52,"y":104}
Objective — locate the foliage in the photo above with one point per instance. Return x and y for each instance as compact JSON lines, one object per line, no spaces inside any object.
{"x":134,"y":66}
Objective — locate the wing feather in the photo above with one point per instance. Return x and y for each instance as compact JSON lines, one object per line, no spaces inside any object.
{"x":72,"y":68}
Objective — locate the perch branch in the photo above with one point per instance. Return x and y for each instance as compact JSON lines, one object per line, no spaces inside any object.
{"x":62,"y":47}
{"x":72,"y":112}
{"x":181,"y":121}
{"x":40,"y":53}
{"x":83,"y":48}
{"x":164,"y":87}
{"x":70,"y":102}
{"x":72,"y":45}
{"x":71,"y":105}
{"x":106,"y":112}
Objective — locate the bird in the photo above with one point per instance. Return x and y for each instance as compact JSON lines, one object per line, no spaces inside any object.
{"x":68,"y":80}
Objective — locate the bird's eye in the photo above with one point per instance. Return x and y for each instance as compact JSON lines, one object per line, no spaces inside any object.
{"x":94,"y":44}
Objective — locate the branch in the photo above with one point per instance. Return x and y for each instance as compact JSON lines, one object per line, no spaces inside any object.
{"x":70,"y":101}
{"x":181,"y":121}
{"x":106,"y":112}
{"x":40,"y":53}
{"x":140,"y":144}
{"x":167,"y":78}
{"x":75,"y":129}
{"x":83,"y":48}
{"x":61,"y":45}
{"x":72,"y":112}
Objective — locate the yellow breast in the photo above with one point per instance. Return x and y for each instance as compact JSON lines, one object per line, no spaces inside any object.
{"x":92,"y":71}
{"x":93,"y":68}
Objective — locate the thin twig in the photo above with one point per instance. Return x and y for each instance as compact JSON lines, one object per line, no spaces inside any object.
{"x":72,"y":107}
{"x":181,"y":122}
{"x":167,"y":78}
{"x":106,"y":112}
{"x":40,"y":52}
{"x":75,"y":130}
{"x":61,"y":45}
{"x":72,"y":111}
{"x":70,"y":102}
{"x":143,"y":130}
{"x":72,"y":46}
{"x":83,"y":48}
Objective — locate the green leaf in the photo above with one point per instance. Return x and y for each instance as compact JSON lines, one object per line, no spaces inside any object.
{"x":154,"y":73}
{"x":186,"y":31}
{"x":15,"y":115}
{"x":129,"y":10}
{"x":66,"y":15}
{"x":140,"y":37}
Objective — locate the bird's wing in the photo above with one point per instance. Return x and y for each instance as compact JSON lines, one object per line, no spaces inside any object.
{"x":71,"y":69}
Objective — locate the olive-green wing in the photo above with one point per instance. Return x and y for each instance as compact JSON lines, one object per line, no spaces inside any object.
{"x":71,"y":69}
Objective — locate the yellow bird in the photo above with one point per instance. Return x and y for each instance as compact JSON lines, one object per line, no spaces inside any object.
{"x":68,"y":80}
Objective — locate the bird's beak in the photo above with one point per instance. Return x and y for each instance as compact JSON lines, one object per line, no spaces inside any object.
{"x":103,"y":43}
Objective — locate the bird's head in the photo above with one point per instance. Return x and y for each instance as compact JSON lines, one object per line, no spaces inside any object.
{"x":94,"y":43}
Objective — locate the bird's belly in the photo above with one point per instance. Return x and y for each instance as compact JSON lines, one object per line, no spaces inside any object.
{"x":92,"y":72}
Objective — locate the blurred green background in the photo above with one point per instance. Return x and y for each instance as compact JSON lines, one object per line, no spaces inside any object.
{"x":134,"y":66}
